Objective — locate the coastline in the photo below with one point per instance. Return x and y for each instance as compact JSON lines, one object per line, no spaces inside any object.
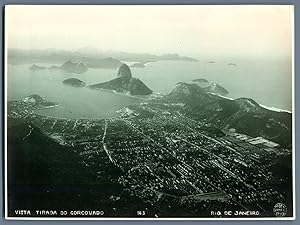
{"x":271,"y":108}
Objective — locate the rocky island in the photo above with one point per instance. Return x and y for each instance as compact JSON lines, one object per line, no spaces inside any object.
{"x":231,"y":64}
{"x":71,"y":67}
{"x":124,"y":83}
{"x":74,"y":82}
{"x":35,"y":67}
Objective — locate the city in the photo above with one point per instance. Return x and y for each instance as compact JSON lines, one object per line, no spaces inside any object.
{"x":170,"y":161}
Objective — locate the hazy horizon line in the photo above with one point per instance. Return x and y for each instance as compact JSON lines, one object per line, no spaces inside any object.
{"x":191,"y":55}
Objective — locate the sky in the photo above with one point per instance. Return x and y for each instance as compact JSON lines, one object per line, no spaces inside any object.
{"x":186,"y":30}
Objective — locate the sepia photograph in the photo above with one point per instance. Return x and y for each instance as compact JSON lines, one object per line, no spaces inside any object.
{"x":149,"y":112}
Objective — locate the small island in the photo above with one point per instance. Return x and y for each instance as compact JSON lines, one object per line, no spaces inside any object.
{"x":74,"y":82}
{"x":231,"y":64}
{"x":35,"y":67}
{"x":71,"y":67}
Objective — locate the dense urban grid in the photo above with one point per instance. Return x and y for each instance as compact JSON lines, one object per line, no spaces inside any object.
{"x":172,"y":163}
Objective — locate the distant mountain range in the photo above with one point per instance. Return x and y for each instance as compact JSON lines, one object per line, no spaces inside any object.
{"x":68,"y":66}
{"x":92,"y":58}
{"x":134,"y":57}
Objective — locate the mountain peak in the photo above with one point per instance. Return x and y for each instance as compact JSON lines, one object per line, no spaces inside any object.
{"x":124,"y":83}
{"x":185,"y":91}
{"x":124,"y":71}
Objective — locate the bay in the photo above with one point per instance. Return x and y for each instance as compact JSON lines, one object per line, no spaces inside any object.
{"x":269,"y":82}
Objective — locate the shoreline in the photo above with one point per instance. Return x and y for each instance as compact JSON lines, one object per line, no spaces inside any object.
{"x":271,"y":108}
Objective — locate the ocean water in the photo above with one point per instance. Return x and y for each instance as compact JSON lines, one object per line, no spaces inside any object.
{"x":73,"y":102}
{"x":267,"y":82}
